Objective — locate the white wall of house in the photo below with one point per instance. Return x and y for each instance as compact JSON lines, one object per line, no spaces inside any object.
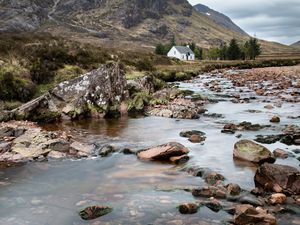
{"x":174,"y":53}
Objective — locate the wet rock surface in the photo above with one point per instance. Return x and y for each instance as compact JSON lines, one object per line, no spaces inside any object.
{"x":163,"y":152}
{"x":26,"y":141}
{"x":278,"y":178}
{"x":246,"y":214}
{"x":94,"y":212}
{"x":250,"y":151}
{"x":179,"y":108}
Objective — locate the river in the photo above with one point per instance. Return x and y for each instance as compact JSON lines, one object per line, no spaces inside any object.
{"x":141,"y":192}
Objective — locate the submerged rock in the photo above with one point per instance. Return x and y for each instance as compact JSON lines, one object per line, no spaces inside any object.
{"x":97,"y":93}
{"x":107,"y":150}
{"x":268,"y":139}
{"x":278,"y":178}
{"x":94,"y":212}
{"x":197,"y":138}
{"x":211,"y":191}
{"x":213,"y":178}
{"x":180,"y":159}
{"x":213,"y":204}
{"x":163,"y":152}
{"x":188,"y":134}
{"x":250,"y":151}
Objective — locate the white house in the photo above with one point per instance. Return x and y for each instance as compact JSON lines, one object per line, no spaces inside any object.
{"x":182,"y":52}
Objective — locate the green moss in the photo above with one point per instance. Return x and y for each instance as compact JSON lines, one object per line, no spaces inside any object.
{"x":139,"y":101}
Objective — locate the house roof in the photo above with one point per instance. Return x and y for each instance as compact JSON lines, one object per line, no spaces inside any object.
{"x":184,"y":49}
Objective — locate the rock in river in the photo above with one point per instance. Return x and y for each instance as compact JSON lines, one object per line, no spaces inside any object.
{"x":250,"y":151}
{"x":246,"y":214}
{"x":98,"y":93}
{"x":188,"y":208}
{"x":278,"y":178}
{"x":188,"y":134}
{"x":277,"y":198}
{"x":163,"y":152}
{"x":94,"y":212}
{"x":280,"y":153}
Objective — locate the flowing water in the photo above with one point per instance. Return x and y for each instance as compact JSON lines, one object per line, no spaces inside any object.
{"x":140,"y":192}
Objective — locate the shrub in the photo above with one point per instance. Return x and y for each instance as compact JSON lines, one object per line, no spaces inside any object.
{"x":15,"y":88}
{"x":144,"y":65}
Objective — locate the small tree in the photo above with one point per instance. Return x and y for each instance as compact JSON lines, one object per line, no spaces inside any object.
{"x":214,"y":53}
{"x":160,"y":49}
{"x":255,"y":48}
{"x":223,"y":52}
{"x":234,"y":51}
{"x":198,"y":53}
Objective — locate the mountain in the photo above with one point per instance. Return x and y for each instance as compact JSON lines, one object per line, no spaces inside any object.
{"x":219,"y":18}
{"x":143,"y":21}
{"x":296,"y":44}
{"x":121,"y":24}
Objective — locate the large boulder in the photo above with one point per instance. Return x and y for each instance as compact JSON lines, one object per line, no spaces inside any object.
{"x":99,"y":93}
{"x":278,"y":178}
{"x":163,"y":152}
{"x":250,"y":151}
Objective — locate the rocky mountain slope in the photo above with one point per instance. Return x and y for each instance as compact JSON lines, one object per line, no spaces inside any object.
{"x":219,"y":18}
{"x":122,"y":24}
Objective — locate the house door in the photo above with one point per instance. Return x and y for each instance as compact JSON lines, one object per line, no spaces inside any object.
{"x":187,"y":56}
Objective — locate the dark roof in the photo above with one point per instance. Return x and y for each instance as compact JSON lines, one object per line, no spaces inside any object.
{"x":184,"y":49}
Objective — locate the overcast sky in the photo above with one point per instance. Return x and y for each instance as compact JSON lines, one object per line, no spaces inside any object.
{"x":273,"y":20}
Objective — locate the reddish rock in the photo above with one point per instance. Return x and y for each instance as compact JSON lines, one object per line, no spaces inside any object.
{"x":233,"y":189}
{"x":230,"y":126}
{"x":213,"y":178}
{"x":280,"y":153}
{"x":188,"y":208}
{"x":196,"y":138}
{"x":275,"y":119}
{"x":278,"y":178}
{"x":269,"y":107}
{"x":216,"y":192}
{"x":163,"y":152}
{"x":277,"y":198}
{"x":246,"y":214}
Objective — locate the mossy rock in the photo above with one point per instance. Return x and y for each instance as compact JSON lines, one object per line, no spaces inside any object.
{"x":250,"y":151}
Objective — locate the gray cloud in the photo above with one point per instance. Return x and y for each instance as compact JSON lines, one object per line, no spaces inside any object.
{"x":276,"y":20}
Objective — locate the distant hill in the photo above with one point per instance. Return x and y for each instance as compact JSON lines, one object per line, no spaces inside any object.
{"x":123,"y":24}
{"x":219,"y":18}
{"x":296,"y":44}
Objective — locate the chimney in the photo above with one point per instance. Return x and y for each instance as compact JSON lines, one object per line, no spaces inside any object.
{"x":188,"y":46}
